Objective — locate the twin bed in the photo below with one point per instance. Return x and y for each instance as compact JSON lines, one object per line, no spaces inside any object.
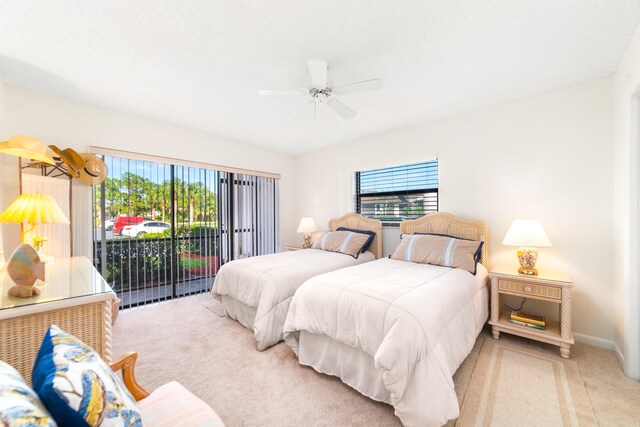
{"x":257,"y":291}
{"x":395,"y":330}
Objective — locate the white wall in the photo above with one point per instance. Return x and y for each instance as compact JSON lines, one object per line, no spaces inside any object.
{"x":548,"y":157}
{"x":9,"y":233}
{"x":627,"y":189}
{"x":67,"y":123}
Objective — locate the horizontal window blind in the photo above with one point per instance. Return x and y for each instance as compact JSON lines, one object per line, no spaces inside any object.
{"x":397,"y":193}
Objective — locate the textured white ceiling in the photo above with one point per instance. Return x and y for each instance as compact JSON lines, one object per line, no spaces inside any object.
{"x":200,"y":63}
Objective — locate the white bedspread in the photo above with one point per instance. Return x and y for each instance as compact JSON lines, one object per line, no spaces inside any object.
{"x":418,"y":322}
{"x":268,"y":282}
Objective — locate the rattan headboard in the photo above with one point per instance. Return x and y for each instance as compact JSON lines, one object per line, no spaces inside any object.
{"x":359,"y":222}
{"x":446,"y":223}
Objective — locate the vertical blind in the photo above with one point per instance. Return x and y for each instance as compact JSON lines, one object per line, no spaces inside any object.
{"x":248,"y":223}
{"x":183,"y":223}
{"x":397,"y":193}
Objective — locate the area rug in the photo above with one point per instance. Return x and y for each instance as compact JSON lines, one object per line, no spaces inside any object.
{"x":521,"y":386}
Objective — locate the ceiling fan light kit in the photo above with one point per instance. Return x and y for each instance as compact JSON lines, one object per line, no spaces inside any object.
{"x":322,"y":93}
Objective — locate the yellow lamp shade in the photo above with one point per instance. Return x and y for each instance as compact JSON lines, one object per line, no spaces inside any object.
{"x":27,"y":147}
{"x":34,"y":209}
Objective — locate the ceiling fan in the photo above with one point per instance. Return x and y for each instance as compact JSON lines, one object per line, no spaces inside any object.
{"x":323,"y":93}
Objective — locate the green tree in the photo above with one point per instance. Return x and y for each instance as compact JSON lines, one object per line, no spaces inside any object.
{"x":133,"y":195}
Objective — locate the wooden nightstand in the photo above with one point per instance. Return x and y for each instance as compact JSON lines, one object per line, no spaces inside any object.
{"x":293,"y":248}
{"x":554,"y":288}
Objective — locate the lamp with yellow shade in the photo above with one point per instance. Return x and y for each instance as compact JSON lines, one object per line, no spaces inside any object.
{"x":25,"y":265}
{"x":34,"y":209}
{"x":528,"y":235}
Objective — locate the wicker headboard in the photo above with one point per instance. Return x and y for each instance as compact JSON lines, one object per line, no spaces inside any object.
{"x":446,"y":223}
{"x":359,"y":222}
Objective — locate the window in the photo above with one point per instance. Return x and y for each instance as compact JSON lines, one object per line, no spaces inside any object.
{"x":398,"y":193}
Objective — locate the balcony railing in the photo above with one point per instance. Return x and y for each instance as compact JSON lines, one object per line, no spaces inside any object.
{"x":150,"y":269}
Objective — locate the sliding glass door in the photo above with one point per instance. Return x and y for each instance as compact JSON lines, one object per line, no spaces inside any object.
{"x":163,"y":231}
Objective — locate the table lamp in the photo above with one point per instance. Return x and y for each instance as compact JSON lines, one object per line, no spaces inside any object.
{"x":24,"y":265}
{"x":307,"y":226}
{"x":528,"y":235}
{"x":34,"y":209}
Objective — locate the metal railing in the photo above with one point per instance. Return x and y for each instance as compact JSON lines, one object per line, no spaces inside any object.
{"x":147,"y":270}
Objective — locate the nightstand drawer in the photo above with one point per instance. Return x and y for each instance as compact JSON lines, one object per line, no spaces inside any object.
{"x":525,"y":288}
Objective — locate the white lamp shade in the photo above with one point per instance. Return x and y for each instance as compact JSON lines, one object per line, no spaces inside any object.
{"x":526,"y":233}
{"x":307,"y":225}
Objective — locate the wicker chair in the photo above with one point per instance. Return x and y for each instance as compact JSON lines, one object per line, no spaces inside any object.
{"x":169,"y":405}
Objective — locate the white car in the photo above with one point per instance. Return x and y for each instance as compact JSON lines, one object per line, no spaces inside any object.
{"x":108,"y":225}
{"x":143,"y":228}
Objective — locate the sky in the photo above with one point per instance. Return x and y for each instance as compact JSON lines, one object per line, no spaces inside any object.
{"x":156,"y":172}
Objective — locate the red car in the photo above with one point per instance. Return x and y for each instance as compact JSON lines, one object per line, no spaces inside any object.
{"x":122,"y":221}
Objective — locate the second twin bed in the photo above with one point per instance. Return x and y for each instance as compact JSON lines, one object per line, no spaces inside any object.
{"x":395,"y":329}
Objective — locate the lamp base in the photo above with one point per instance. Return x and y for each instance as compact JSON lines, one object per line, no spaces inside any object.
{"x":528,"y":271}
{"x":307,"y":241}
{"x":528,"y":258}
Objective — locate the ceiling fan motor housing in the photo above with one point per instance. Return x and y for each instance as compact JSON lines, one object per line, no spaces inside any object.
{"x":320,"y":95}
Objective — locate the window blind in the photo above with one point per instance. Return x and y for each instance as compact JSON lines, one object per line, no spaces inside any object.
{"x":397,"y":193}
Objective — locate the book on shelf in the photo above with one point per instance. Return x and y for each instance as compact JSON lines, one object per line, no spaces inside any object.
{"x":528,"y":318}
{"x":529,"y":325}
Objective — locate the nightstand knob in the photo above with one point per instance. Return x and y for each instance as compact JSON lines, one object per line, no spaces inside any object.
{"x":527,"y":288}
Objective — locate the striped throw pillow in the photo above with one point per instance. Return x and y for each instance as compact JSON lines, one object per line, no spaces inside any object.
{"x":345,"y":242}
{"x":439,"y":250}
{"x":172,"y":405}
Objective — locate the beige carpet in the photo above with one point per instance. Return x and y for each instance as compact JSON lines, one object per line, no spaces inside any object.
{"x":214,"y":306}
{"x":186,"y":340}
{"x":512,"y":386}
{"x":215,"y":358}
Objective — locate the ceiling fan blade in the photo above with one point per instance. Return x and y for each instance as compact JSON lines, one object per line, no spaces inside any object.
{"x":359,"y":87}
{"x":272,"y":92}
{"x":342,"y":110}
{"x":318,"y":71}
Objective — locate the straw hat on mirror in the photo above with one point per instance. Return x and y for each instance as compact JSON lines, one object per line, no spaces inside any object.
{"x":71,"y":159}
{"x":27,"y":147}
{"x":94,"y":170}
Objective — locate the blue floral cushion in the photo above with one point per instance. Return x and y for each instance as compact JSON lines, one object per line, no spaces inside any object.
{"x":19,"y":404}
{"x":77,"y":387}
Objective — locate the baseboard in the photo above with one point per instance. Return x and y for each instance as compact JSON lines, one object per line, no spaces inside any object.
{"x":595,"y":341}
{"x":618,"y":353}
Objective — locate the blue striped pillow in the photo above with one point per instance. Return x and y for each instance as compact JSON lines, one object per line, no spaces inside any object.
{"x":367,"y":244}
{"x":436,"y":249}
